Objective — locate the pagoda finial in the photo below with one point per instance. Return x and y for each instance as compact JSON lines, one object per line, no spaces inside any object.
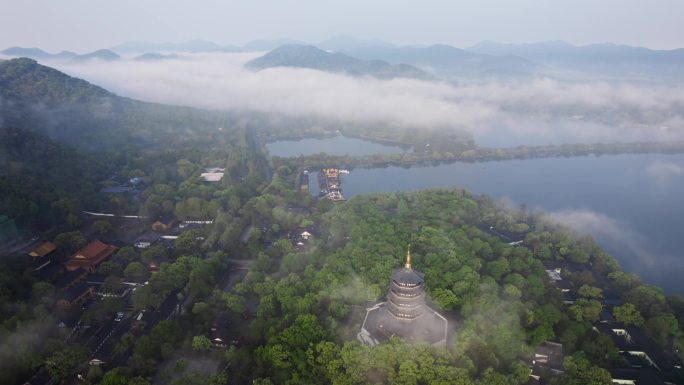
{"x":408,"y":257}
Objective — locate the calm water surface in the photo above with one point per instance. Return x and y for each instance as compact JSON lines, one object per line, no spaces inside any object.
{"x":632,"y":204}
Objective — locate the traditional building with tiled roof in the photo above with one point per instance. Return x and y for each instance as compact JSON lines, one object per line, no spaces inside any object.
{"x":42,"y":255}
{"x":43,"y":250}
{"x":90,"y":256}
{"x":77,"y":295}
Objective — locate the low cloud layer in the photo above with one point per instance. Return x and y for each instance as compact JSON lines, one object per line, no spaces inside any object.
{"x":532,"y":111}
{"x":604,"y":227}
{"x":631,"y":248}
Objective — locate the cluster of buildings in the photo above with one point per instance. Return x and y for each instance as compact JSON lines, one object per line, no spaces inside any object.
{"x":75,"y":280}
{"x":644,"y":362}
{"x":213,"y":174}
{"x":330,"y":183}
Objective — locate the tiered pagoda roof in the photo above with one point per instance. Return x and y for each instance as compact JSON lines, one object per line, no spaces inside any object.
{"x":405,"y":313}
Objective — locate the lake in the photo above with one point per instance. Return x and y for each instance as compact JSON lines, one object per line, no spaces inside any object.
{"x":338,"y":145}
{"x":631,"y":204}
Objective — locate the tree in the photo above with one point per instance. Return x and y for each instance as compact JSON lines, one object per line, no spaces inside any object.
{"x":648,"y":299}
{"x":102,"y":226}
{"x":660,"y":328}
{"x":111,"y":284}
{"x":235,"y":303}
{"x":71,"y":241}
{"x":624,"y":281}
{"x":42,"y":289}
{"x":586,"y":310}
{"x":62,"y":365}
{"x":201,"y":343}
{"x":491,"y":377}
{"x":94,"y":373}
{"x":114,"y":377}
{"x":186,"y":243}
{"x":138,"y":381}
{"x":199,"y":308}
{"x":73,"y":221}
{"x":590,"y":292}
{"x":676,"y":302}
{"x":144,"y":297}
{"x":154,"y":251}
{"x":579,"y":371}
{"x":408,"y":374}
{"x":127,"y":252}
{"x":628,"y":314}
{"x":135,"y":271}
{"x":110,"y":268}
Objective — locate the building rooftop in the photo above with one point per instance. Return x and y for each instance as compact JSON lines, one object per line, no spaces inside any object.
{"x":50,"y":272}
{"x":640,"y":376}
{"x":69,"y":278}
{"x":96,"y":278}
{"x":76,"y":291}
{"x":642,"y":352}
{"x":547,"y":362}
{"x":118,"y":189}
{"x":150,"y":236}
{"x":43,"y":250}
{"x":549,"y":354}
{"x":381,"y":325}
{"x":91,"y":255}
{"x":212,"y":176}
{"x":40,"y":263}
{"x":407,"y":276}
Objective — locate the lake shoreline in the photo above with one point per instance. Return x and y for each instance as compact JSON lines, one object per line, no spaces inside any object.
{"x":481,"y":155}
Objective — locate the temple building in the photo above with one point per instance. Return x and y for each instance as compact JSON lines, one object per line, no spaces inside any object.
{"x":90,"y":256}
{"x":405,"y":314}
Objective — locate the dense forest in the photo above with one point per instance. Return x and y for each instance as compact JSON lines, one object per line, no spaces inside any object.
{"x":233,"y":259}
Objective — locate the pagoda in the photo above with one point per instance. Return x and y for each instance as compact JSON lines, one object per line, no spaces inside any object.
{"x":405,"y":313}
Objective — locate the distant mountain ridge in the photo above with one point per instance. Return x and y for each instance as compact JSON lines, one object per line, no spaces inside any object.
{"x":485,"y":59}
{"x":308,"y":56}
{"x":440,"y":59}
{"x":606,"y":58}
{"x":191,"y":46}
{"x":154,"y":56}
{"x":39,"y":54}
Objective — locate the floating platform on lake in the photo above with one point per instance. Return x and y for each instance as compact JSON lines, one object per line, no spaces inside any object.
{"x":330,"y":184}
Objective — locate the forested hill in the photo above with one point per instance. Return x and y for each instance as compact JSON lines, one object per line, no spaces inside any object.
{"x":307,"y":56}
{"x":73,"y":111}
{"x":25,"y":80}
{"x":41,"y":181}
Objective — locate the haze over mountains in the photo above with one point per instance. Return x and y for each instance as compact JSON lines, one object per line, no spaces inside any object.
{"x":607,"y":58}
{"x":345,"y":54}
{"x":39,"y":54}
{"x":504,"y":94}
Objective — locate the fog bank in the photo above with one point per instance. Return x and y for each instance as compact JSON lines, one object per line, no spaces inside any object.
{"x":497,"y":112}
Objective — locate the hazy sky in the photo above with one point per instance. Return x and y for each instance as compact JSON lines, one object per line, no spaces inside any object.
{"x":83,"y":25}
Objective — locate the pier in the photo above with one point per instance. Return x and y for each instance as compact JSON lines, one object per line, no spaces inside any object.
{"x":330,"y":184}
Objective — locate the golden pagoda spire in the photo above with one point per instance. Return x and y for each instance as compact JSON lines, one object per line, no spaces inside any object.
{"x":408,"y":257}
